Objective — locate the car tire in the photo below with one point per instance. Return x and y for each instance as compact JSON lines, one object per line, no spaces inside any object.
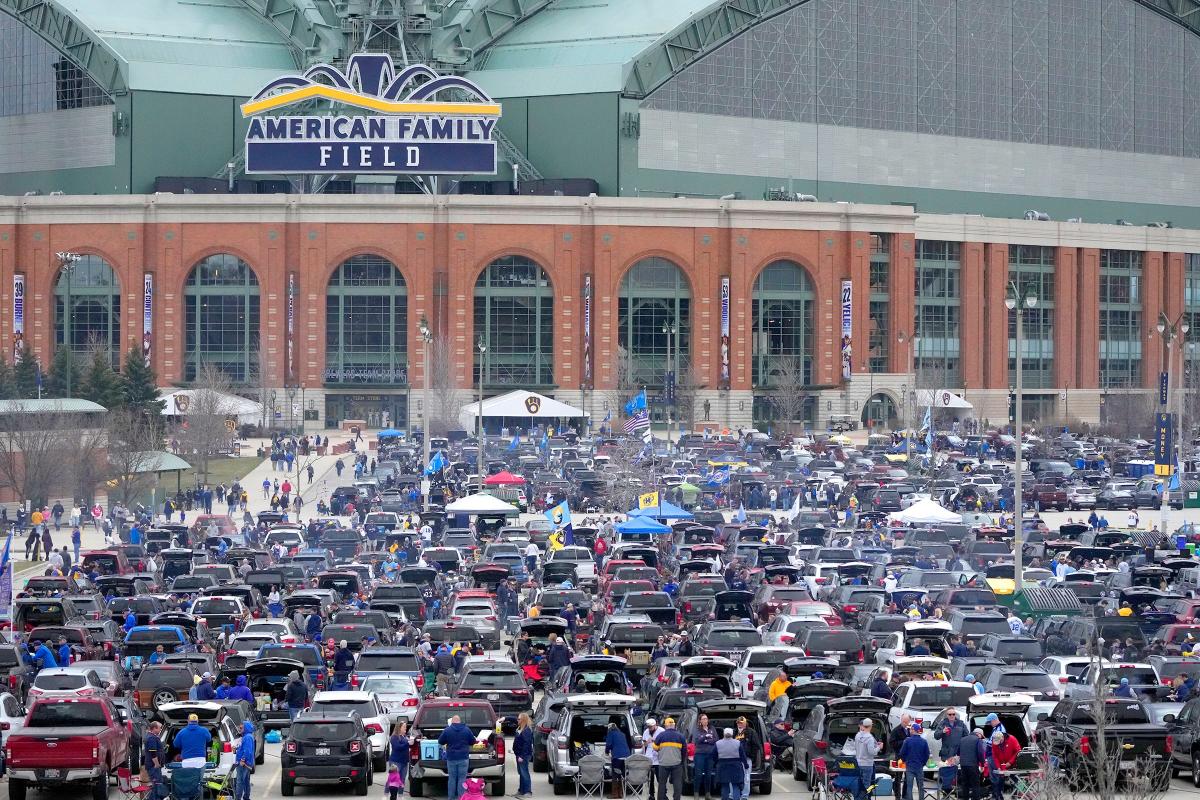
{"x":287,"y":788}
{"x":416,"y":788}
{"x":380,"y":764}
{"x":100,"y":787}
{"x":497,"y":788}
{"x":361,"y":786}
{"x":162,"y":697}
{"x":261,"y":758}
{"x":765,"y":788}
{"x":560,"y":787}
{"x":1196,"y":769}
{"x":17,"y":789}
{"x":540,"y":764}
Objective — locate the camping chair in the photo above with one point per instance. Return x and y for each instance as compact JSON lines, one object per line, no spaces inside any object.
{"x":131,"y":786}
{"x":637,"y":777}
{"x":186,"y":783}
{"x":590,"y":780}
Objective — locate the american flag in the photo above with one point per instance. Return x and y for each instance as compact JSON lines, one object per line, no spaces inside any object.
{"x":639,"y":421}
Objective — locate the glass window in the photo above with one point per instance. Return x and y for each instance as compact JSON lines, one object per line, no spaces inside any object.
{"x":514,"y":312}
{"x":35,"y":78}
{"x":1120,"y":318}
{"x":936,"y":361}
{"x":221,"y":316}
{"x":782,"y":326}
{"x":1032,"y":267}
{"x":90,"y":289}
{"x":366,"y":323}
{"x":654,"y":295}
{"x":1191,"y":307}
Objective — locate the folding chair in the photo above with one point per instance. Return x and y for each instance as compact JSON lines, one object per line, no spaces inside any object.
{"x":637,"y":777}
{"x":590,"y":780}
{"x":130,"y":786}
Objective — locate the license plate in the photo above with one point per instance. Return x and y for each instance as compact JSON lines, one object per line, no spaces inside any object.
{"x":54,"y":773}
{"x":493,"y":696}
{"x":322,"y":751}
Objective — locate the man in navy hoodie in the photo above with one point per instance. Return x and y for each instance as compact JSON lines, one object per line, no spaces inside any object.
{"x":457,"y":739}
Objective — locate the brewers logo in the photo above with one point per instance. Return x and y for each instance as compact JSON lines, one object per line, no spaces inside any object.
{"x":182,"y":401}
{"x":557,"y":516}
{"x":532,"y":404}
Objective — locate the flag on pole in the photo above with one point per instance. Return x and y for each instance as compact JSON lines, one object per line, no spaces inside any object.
{"x":514,"y":443}
{"x":794,"y":511}
{"x":648,"y":500}
{"x":741,"y":513}
{"x":6,"y":580}
{"x":560,"y":518}
{"x":638,"y":422}
{"x":436,"y":464}
{"x":638,"y":403}
{"x":607,"y":416}
{"x":928,"y":425}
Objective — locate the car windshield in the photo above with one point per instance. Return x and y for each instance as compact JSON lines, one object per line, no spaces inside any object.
{"x":981,"y":625}
{"x":386,"y":662}
{"x":390,"y":685}
{"x":559,"y":598}
{"x":168,"y":638}
{"x":767,"y":659}
{"x":439,"y":716}
{"x":492,"y":679}
{"x":1026,"y":681}
{"x":215,"y":606}
{"x":70,"y":715}
{"x":734,"y":637}
{"x":56,"y":683}
{"x":1138,"y":676}
{"x":652,"y":600}
{"x":634,"y":634}
{"x":305,"y":655}
{"x":941,"y":696}
{"x":1019,"y":651}
{"x":364,"y":708}
{"x":833,"y":640}
{"x":1115,"y":712}
{"x":321,"y":732}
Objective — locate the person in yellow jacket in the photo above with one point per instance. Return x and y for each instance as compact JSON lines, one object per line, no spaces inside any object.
{"x":779,"y":686}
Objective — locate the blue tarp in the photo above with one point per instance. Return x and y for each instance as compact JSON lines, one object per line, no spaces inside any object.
{"x":663,"y":510}
{"x":390,"y":433}
{"x":642,"y":525}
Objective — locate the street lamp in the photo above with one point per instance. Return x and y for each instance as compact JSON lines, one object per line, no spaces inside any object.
{"x":66,"y":263}
{"x":481,"y":432}
{"x":1170,"y":332}
{"x":902,"y":337}
{"x":668,"y":329}
{"x":1018,"y":300}
{"x":426,"y":341}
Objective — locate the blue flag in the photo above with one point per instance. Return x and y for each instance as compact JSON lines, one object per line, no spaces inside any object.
{"x":928,"y":425}
{"x":1175,"y":484}
{"x":560,"y":518}
{"x":545,"y":441}
{"x":436,"y":464}
{"x":514,"y":443}
{"x":638,"y":403}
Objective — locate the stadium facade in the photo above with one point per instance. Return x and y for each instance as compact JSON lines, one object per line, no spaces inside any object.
{"x":749,"y":156}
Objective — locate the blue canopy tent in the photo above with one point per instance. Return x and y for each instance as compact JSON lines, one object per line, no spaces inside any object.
{"x":663,"y":510}
{"x":643,"y":525}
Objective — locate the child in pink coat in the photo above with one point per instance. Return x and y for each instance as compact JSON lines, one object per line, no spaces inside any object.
{"x":394,"y":784}
{"x":474,"y":788}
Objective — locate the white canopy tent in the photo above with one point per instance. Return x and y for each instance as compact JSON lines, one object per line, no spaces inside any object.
{"x":941,"y":398}
{"x":925,"y":512}
{"x":181,"y":402}
{"x":517,"y":405}
{"x":481,"y":504}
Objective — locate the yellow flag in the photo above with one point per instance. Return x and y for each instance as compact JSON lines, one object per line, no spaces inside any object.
{"x":395,"y":546}
{"x":648,"y":500}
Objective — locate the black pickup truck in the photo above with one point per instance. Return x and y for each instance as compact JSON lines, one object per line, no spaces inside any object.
{"x":1131,"y":742}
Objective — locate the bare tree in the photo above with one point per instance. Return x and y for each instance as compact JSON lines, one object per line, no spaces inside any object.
{"x":626,"y":474}
{"x":86,"y":469}
{"x":446,"y":398}
{"x":1128,"y":414}
{"x":204,"y":430}
{"x":256,"y":388}
{"x":789,"y":392}
{"x":623,"y":385}
{"x":687,"y":389}
{"x":34,"y":447}
{"x":132,"y":450}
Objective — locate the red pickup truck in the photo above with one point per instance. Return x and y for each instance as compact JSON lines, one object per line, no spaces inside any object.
{"x":67,"y":741}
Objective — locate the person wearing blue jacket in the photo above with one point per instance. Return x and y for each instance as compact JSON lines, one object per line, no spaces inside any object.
{"x":457,"y":739}
{"x":915,"y":755}
{"x":64,"y":652}
{"x":245,"y":762}
{"x":616,"y":746}
{"x":241,"y":691}
{"x":523,"y":752}
{"x":130,"y":621}
{"x":192,"y":744}
{"x":204,"y":689}
{"x":43,"y":656}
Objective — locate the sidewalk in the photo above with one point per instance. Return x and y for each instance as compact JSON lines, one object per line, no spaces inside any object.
{"x":324,"y":481}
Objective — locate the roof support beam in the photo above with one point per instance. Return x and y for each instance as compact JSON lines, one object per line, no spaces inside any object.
{"x":470,"y":30}
{"x":311,"y":26}
{"x":700,"y":35}
{"x":70,"y":37}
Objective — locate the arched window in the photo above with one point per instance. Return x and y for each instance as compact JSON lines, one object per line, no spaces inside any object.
{"x":89,"y":289}
{"x":654,"y":297}
{"x":221,"y":317}
{"x":782,"y":327}
{"x":366,"y":323}
{"x":514,"y":313}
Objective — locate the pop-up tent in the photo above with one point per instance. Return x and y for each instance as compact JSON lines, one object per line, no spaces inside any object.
{"x":181,"y":402}
{"x":642,"y":525}
{"x":503,"y":478}
{"x":481,"y":504}
{"x":521,"y":408}
{"x":941,"y":398}
{"x":663,"y":510}
{"x":925,"y":512}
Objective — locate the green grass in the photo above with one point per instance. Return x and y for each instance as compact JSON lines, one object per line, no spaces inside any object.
{"x":220,"y":470}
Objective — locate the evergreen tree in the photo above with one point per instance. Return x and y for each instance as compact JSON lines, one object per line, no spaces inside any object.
{"x":64,"y":378}
{"x":8,"y":389}
{"x":25,"y":375}
{"x":140,"y":386}
{"x":101,"y":384}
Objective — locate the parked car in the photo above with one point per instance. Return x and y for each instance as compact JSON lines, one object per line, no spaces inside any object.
{"x":584,"y":724}
{"x":326,"y":749}
{"x":368,"y":708}
{"x":487,"y":759}
{"x":66,"y":744}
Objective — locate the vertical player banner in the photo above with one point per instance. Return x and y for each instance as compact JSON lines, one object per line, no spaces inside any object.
{"x":18,"y":318}
{"x":725,"y":332}
{"x":1164,"y":456}
{"x":147,"y":316}
{"x":291,"y":325}
{"x":587,"y":330}
{"x":847,"y":327}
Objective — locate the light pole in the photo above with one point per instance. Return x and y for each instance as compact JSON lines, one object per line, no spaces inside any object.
{"x":426,"y":341}
{"x":66,"y":263}
{"x":1170,"y":332}
{"x":481,"y":433}
{"x":902,"y":337}
{"x":1018,"y":300}
{"x":668,"y":330}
